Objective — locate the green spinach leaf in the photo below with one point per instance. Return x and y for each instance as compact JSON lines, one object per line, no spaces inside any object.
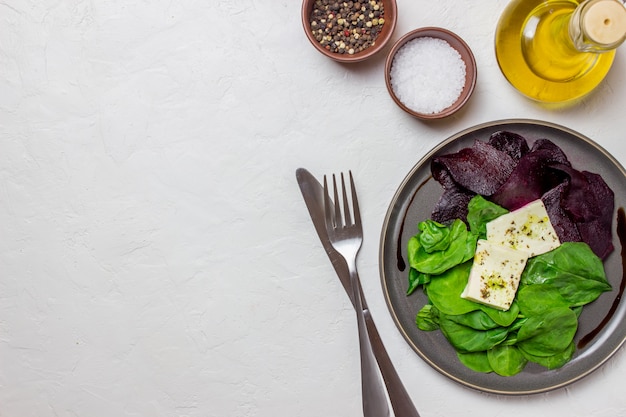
{"x":427,"y":319}
{"x":536,"y":299}
{"x":445,"y":291}
{"x":478,"y":320}
{"x":466,"y":339}
{"x":503,"y":318}
{"x":433,"y":251}
{"x":506,"y":360}
{"x":416,"y":279}
{"x":476,"y":361}
{"x":434,"y":236}
{"x":555,"y":361}
{"x":573,"y":269}
{"x":480,"y":212}
{"x":548,"y":333}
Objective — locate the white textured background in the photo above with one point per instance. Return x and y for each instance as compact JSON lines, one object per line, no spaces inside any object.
{"x":156,"y":257}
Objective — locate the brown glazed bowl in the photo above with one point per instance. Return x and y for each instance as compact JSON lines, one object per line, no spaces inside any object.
{"x":390,"y":16}
{"x":466,"y":55}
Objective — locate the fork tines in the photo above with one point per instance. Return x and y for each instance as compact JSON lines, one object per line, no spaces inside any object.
{"x":338,"y":220}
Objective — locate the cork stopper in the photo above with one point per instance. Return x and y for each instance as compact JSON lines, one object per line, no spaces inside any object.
{"x":604,"y":22}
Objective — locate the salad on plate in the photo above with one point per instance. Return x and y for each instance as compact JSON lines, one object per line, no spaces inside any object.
{"x":512,"y":253}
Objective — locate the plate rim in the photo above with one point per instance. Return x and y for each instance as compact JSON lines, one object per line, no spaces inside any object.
{"x":384,"y":233}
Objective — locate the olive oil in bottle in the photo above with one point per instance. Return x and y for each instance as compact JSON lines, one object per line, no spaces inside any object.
{"x":558,"y":50}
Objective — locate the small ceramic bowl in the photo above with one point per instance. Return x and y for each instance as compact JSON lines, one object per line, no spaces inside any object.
{"x":466,"y":55}
{"x":390,"y":15}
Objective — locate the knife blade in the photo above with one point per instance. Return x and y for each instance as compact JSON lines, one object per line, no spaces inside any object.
{"x":313,"y":194}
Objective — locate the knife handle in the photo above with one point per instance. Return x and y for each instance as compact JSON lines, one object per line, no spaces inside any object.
{"x":400,"y":400}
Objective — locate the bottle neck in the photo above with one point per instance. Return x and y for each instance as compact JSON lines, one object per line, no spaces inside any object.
{"x":598,"y":25}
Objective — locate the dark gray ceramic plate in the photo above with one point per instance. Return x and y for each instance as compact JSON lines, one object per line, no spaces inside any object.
{"x":603,"y":321}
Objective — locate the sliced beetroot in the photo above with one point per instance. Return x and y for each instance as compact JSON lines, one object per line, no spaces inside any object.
{"x":481,"y":169}
{"x":581,"y":201}
{"x":452,"y":205}
{"x":506,"y":171}
{"x":597,"y":232}
{"x":513,"y":144}
{"x":565,"y":228}
{"x":453,"y":202}
{"x":589,"y":202}
{"x":532,"y":176}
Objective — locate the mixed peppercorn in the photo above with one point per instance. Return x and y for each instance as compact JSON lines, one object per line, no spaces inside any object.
{"x":347,"y":27}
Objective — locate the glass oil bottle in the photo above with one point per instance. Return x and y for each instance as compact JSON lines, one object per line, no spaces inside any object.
{"x":559,"y":50}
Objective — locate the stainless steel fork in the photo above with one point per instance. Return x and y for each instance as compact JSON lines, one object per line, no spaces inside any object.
{"x":377,"y":371}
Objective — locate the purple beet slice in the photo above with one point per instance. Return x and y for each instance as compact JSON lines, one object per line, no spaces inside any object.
{"x":481,"y":169}
{"x":513,"y":144}
{"x":589,"y":203}
{"x":565,"y":228}
{"x":509,"y":173}
{"x":532,"y":176}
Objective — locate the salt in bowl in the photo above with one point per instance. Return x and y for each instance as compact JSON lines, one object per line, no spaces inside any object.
{"x":424,"y":75}
{"x":390,"y":15}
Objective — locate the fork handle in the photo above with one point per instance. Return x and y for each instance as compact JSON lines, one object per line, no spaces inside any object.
{"x":374,"y":396}
{"x":400,"y":400}
{"x":398,"y":396}
{"x":396,"y":392}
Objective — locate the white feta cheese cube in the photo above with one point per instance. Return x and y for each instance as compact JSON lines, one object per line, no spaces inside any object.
{"x":495,"y":275}
{"x":526,"y":229}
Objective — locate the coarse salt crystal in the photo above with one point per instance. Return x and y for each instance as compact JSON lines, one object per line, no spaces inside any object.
{"x":427,"y":75}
